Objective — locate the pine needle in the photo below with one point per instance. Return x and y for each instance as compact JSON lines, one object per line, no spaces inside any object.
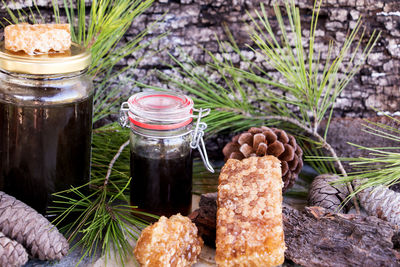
{"x":105,"y":219}
{"x":381,"y":167}
{"x":302,"y":95}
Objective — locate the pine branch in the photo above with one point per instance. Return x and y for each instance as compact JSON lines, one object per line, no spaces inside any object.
{"x":374,"y":175}
{"x":104,"y":218}
{"x":241,"y":98}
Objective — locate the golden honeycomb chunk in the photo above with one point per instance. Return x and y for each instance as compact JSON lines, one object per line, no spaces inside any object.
{"x":169,"y":242}
{"x":37,"y":38}
{"x":249,"y":216}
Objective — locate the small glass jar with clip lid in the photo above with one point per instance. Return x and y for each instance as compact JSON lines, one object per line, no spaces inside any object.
{"x":46,"y":103}
{"x":161,"y":141}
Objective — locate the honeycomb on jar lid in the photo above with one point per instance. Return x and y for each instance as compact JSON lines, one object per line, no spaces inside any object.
{"x":169,"y":242}
{"x":37,"y":38}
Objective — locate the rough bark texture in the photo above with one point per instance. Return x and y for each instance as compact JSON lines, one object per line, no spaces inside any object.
{"x":316,"y":237}
{"x":205,"y":218}
{"x":194,"y":23}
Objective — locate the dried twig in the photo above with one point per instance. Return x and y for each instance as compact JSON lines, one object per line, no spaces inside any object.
{"x":112,"y":162}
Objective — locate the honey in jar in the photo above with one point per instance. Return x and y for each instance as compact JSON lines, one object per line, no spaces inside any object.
{"x":46,"y":104}
{"x":161,"y":141}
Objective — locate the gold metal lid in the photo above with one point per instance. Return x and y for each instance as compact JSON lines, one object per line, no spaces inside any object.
{"x":76,"y":59}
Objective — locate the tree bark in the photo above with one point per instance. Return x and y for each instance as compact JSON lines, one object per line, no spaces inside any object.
{"x":205,"y":218}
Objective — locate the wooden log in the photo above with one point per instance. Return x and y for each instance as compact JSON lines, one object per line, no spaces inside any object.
{"x":316,"y":237}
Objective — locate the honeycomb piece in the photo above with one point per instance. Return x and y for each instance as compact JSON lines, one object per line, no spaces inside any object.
{"x":249,"y":216}
{"x":169,"y":242}
{"x":37,"y":38}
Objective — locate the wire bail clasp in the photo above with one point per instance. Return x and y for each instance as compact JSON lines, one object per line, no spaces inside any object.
{"x":123,"y":115}
{"x":197,"y":138}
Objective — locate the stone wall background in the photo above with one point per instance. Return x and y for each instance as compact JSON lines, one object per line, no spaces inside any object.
{"x":195,"y":23}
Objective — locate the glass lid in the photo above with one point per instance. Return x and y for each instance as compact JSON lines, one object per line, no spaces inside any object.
{"x":160,"y":110}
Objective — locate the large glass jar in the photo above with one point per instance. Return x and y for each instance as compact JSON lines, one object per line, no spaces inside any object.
{"x":161,"y":142}
{"x":46,"y":104}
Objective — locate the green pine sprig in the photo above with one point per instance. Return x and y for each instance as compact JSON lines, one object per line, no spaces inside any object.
{"x":382,"y":165}
{"x":313,"y":92}
{"x":104,"y":219}
{"x":301,"y":97}
{"x":243,"y":98}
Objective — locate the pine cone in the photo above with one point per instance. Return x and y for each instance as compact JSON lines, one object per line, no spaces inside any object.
{"x":268,"y":141}
{"x":323,"y":194}
{"x":11,"y":252}
{"x":20,"y":222}
{"x":382,"y":202}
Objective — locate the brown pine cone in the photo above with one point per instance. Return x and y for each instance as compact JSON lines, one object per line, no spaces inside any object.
{"x":323,"y":194}
{"x":12,"y":254}
{"x":268,"y":141}
{"x":20,"y":222}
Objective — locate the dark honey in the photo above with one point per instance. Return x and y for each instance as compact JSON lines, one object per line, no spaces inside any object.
{"x":44,"y":149}
{"x":162,"y":186}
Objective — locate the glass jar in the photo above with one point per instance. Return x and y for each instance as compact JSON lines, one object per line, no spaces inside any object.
{"x":46,"y":104}
{"x":161,"y":142}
